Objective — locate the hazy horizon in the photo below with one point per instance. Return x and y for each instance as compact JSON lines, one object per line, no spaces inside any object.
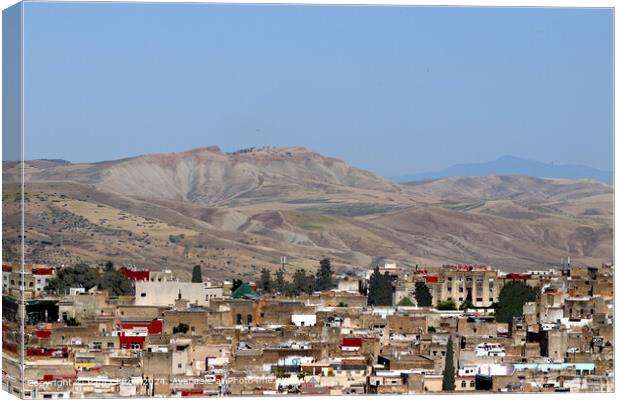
{"x":394,"y":90}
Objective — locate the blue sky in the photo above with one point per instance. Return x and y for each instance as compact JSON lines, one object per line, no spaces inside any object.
{"x":395,"y":90}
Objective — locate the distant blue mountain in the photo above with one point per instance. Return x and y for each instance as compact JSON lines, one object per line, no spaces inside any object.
{"x":509,"y":165}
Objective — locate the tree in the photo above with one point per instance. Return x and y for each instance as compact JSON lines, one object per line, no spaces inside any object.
{"x":109,"y":266}
{"x":280,"y":283}
{"x":301,"y":283}
{"x":468,"y":303}
{"x":324,"y":275}
{"x":264,"y":282}
{"x":235,"y":284}
{"x":77,"y":276}
{"x":115,"y":283}
{"x":447,"y":383}
{"x":380,"y":290}
{"x":72,"y":322}
{"x":181,"y":328}
{"x":83,"y":276}
{"x":197,"y":274}
{"x":405,"y":302}
{"x":423,"y":295}
{"x":446,"y":305}
{"x":512,"y":297}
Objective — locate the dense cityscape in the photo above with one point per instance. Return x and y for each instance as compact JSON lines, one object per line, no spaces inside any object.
{"x":115,"y":331}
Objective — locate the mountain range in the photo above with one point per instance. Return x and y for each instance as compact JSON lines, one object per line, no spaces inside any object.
{"x":236,"y":213}
{"x":510,"y":165}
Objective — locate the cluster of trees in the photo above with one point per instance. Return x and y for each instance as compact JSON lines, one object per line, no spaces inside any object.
{"x":512,"y":297}
{"x":380,"y":289}
{"x":83,"y":276}
{"x":302,"y":281}
{"x":422,"y":295}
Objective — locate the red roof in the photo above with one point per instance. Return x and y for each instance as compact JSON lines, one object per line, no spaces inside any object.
{"x":191,"y":392}
{"x":517,"y":276}
{"x":431,"y":279}
{"x":44,"y":352}
{"x":135,"y":275}
{"x":6,"y":268}
{"x":50,"y":378}
{"x":43,"y":271}
{"x":351,"y":342}
{"x":154,"y":327}
{"x":126,"y":341}
{"x":43,"y":334}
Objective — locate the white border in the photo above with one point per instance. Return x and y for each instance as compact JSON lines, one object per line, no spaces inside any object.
{"x":480,"y":3}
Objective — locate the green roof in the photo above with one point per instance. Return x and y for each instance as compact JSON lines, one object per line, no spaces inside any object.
{"x":244,"y":291}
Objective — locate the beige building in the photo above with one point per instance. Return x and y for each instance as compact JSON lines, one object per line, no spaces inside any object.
{"x":454,"y":283}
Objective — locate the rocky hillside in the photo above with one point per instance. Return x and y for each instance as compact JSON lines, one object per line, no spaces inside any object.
{"x":236,"y":213}
{"x":209,"y":176}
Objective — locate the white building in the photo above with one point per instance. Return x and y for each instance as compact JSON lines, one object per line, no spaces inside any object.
{"x":303,"y":319}
{"x":490,"y":350}
{"x":166,"y":293}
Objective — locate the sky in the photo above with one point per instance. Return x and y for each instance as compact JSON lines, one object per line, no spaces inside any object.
{"x":395,"y":90}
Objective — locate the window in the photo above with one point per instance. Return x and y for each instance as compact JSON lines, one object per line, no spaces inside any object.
{"x":110,"y":345}
{"x":135,"y":345}
{"x":97,"y":345}
{"x":142,"y":294}
{"x":463,"y":384}
{"x":472,"y":384}
{"x":179,"y":365}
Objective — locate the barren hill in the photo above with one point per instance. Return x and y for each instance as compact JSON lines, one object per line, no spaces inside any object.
{"x":208,"y":176}
{"x":236,"y":213}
